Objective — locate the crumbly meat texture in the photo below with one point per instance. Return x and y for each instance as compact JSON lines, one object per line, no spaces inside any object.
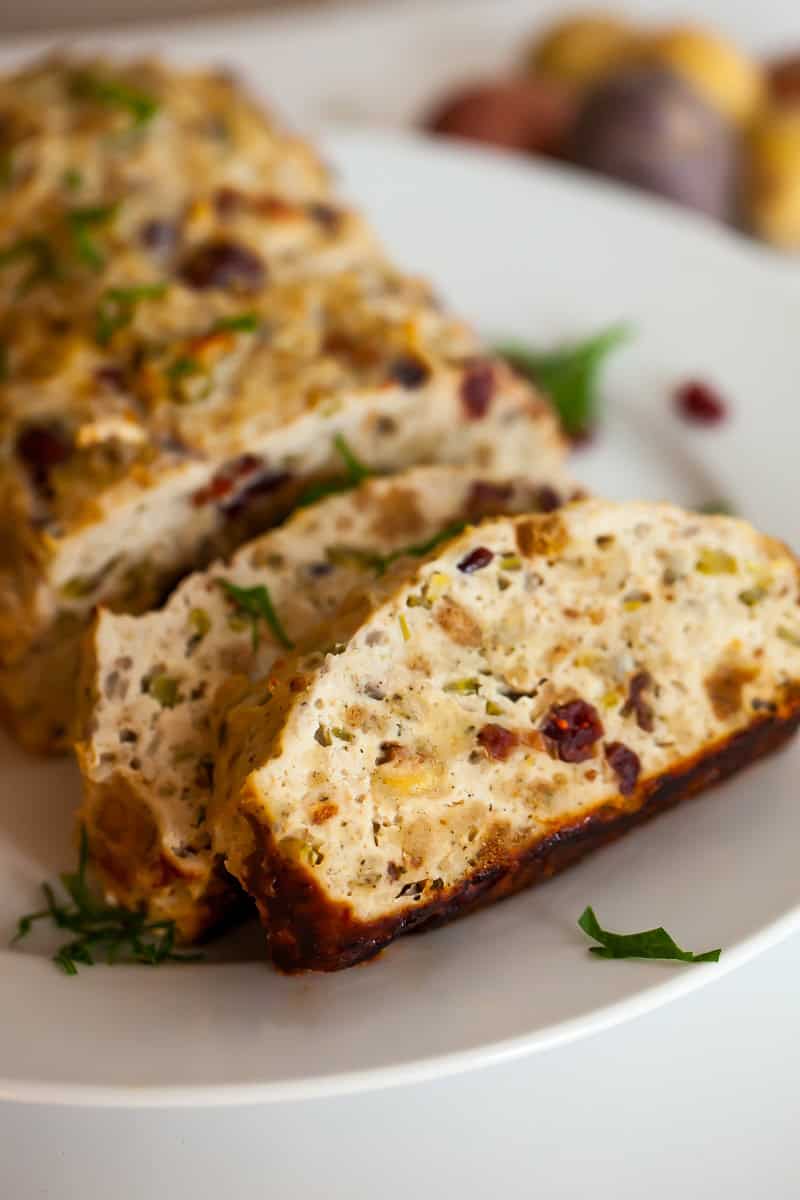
{"x":532,"y":688}
{"x":149,"y":682}
{"x":188,"y":320}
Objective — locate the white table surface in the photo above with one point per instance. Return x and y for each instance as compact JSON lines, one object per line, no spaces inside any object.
{"x":697,"y":1099}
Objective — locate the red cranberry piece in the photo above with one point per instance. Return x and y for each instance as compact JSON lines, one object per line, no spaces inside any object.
{"x":476,"y":560}
{"x":477,"y":389}
{"x":227,"y":201}
{"x":111,"y":376}
{"x":262,"y":485}
{"x":42,"y":447}
{"x":699,"y":402}
{"x":547,"y":499}
{"x":636,"y":703}
{"x":223,"y":264}
{"x":326,"y":216}
{"x":408,"y":371}
{"x":574,"y":727}
{"x":159,"y":236}
{"x":625,"y":765}
{"x":498,"y":742}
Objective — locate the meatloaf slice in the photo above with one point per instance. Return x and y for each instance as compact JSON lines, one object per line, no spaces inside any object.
{"x":147,"y":749}
{"x":532,"y":688}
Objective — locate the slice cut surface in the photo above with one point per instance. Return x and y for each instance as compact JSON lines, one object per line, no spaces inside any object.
{"x":532,"y":688}
{"x":147,"y":750}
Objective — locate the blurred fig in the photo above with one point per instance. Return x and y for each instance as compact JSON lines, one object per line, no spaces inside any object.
{"x":518,"y":114}
{"x":719,"y":71}
{"x":783,"y":78}
{"x":773,"y":183}
{"x":648,"y":128}
{"x":580,"y":50}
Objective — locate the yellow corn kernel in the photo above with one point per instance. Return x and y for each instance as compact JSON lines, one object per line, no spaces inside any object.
{"x":436,"y":586}
{"x":715,"y":562}
{"x":421,"y":780}
{"x":611,"y":699}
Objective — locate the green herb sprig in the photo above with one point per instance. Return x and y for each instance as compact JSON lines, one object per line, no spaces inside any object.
{"x":652,"y":943}
{"x":246,"y":322}
{"x":82,"y":222}
{"x":420,"y":549}
{"x":114,"y":94}
{"x":116,"y":307}
{"x":255,"y":603}
{"x":115,"y":934}
{"x":355,"y":473}
{"x":569,"y":375}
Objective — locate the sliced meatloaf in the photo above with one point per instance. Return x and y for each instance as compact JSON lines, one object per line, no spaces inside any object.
{"x":531,"y":689}
{"x":188,"y":320}
{"x":147,"y":750}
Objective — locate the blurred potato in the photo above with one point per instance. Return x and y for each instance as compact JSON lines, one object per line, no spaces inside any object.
{"x":517,"y":114}
{"x":646,"y":127}
{"x":582,"y":49}
{"x":783,"y":78}
{"x":719,"y":71}
{"x":773,"y":184}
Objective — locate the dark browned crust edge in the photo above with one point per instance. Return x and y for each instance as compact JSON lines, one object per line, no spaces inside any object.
{"x":306,"y":931}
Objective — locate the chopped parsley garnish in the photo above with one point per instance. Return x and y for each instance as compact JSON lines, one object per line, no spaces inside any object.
{"x":115,"y":94}
{"x":81,"y":222}
{"x":116,"y":307}
{"x":116,"y":934}
{"x":568,"y":375}
{"x":356,"y":473}
{"x":247,"y":322}
{"x":72,"y":179}
{"x":652,"y":943}
{"x":420,"y":549}
{"x":256,"y":605}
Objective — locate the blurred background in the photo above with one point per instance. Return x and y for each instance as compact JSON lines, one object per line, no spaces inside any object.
{"x":696,"y":102}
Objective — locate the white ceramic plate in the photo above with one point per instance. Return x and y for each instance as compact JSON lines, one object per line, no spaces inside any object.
{"x":535,"y":253}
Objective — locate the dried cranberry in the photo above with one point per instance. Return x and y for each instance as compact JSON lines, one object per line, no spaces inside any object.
{"x":159,"y":236}
{"x":498,"y":742}
{"x":326,"y":216}
{"x":262,"y":485}
{"x":223,"y":482}
{"x":697,"y":401}
{"x":574,"y":727}
{"x":477,"y":389}
{"x":636,"y":703}
{"x":111,"y":376}
{"x":476,"y":560}
{"x":547,"y":499}
{"x":42,"y":447}
{"x":625,"y":765}
{"x":223,"y":264}
{"x":227,"y":201}
{"x":487,"y":499}
{"x":408,"y":371}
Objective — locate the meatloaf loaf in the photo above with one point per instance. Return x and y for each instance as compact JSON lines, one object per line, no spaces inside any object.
{"x":189,"y":322}
{"x":529,"y":690}
{"x":147,"y":754}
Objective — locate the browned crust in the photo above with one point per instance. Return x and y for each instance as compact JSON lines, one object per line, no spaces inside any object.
{"x":305,"y":931}
{"x":128,"y":857}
